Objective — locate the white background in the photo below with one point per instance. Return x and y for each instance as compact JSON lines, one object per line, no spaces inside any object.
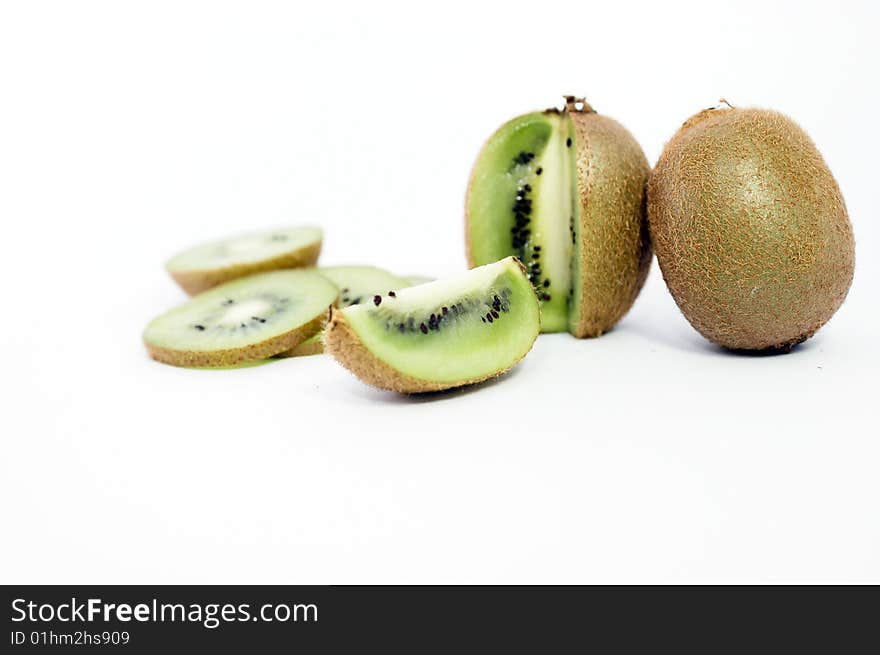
{"x":131,"y":130}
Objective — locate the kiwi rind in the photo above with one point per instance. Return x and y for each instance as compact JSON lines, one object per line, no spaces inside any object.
{"x":194,"y":281}
{"x":756,"y":261}
{"x":311,"y":346}
{"x":611,"y":242}
{"x":346,"y":346}
{"x":613,"y":251}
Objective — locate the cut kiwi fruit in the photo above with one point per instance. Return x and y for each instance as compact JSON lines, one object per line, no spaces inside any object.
{"x":207,"y":265}
{"x":358,"y":284}
{"x":251,"y":318}
{"x":564,"y":191}
{"x":311,"y":346}
{"x":439,"y":335}
{"x":416,"y":280}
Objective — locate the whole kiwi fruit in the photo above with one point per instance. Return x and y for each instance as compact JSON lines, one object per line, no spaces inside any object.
{"x":750,"y":229}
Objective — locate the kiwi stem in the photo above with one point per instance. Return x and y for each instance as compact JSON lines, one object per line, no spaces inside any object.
{"x":579,"y":105}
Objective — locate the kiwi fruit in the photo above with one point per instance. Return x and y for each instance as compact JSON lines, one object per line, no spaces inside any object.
{"x":564,"y":191}
{"x":359,"y":284}
{"x":356,"y":284}
{"x":207,"y":265}
{"x":250,"y":318}
{"x":416,"y":280}
{"x":750,"y":228}
{"x":311,"y":346}
{"x":443,"y":334}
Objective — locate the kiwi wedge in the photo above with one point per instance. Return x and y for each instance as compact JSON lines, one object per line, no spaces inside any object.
{"x":443,"y":334}
{"x":251,"y":318}
{"x":751,"y":230}
{"x":207,"y":265}
{"x":564,"y":191}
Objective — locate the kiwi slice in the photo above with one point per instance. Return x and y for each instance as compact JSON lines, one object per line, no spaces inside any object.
{"x":251,"y":318}
{"x":207,"y":265}
{"x":416,"y":280}
{"x":311,"y":346}
{"x":439,"y":335}
{"x":358,"y":284}
{"x":564,"y":191}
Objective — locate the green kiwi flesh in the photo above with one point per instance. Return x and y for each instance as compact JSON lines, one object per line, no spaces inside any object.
{"x":209,"y":264}
{"x":439,"y":335}
{"x":521,"y":201}
{"x":750,"y":229}
{"x":250,"y":318}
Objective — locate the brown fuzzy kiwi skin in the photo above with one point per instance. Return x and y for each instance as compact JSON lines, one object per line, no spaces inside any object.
{"x":750,"y":229}
{"x":194,"y":282}
{"x":233,"y":356}
{"x":615,"y":246}
{"x":305,"y":349}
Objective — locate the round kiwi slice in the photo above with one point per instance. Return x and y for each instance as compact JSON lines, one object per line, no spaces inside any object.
{"x":564,"y":191}
{"x":751,"y":230}
{"x":356,"y":284}
{"x":439,"y":335}
{"x":359,"y":284}
{"x":251,"y":318}
{"x":210,"y":264}
{"x":311,"y":346}
{"x":416,"y":280}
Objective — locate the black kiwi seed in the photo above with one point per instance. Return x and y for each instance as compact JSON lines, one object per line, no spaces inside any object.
{"x":546,"y":283}
{"x":539,"y":171}
{"x":200,"y":328}
{"x":377,"y":300}
{"x":392,"y":294}
{"x":489,"y":316}
{"x":568,"y":142}
{"x":445,"y":310}
{"x":257,"y":318}
{"x":423,"y":328}
{"x":494,"y":313}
